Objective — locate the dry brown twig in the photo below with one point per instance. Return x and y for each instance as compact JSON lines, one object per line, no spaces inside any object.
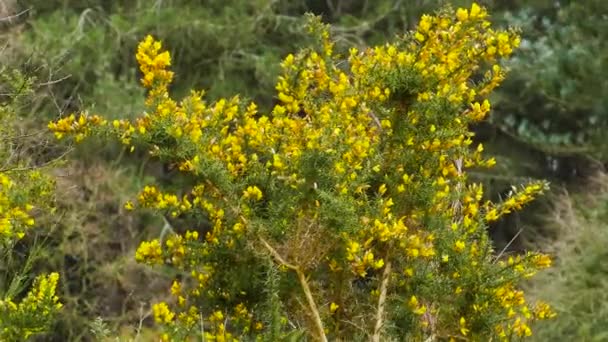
{"x":381,"y":302}
{"x":304,"y":283}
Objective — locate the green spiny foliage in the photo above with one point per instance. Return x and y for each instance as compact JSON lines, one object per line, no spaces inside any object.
{"x":353,"y":190}
{"x":25,"y":192}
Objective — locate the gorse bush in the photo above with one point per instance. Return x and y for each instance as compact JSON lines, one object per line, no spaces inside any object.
{"x":33,"y":314}
{"x":346,"y":212}
{"x":24,"y":192}
{"x":84,"y":52}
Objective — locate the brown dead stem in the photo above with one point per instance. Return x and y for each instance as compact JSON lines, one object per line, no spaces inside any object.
{"x":304,"y":283}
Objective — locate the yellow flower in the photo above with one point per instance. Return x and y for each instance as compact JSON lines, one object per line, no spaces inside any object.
{"x":252,"y":192}
{"x":477,"y":12}
{"x":462,"y":14}
{"x":459,"y":246}
{"x":149,"y":252}
{"x":382,"y":189}
{"x":176,"y":288}
{"x":542,"y":261}
{"x":217,"y":316}
{"x":419,"y":36}
{"x":425,"y":23}
{"x":463,"y":327}
{"x":129,"y":205}
{"x":162,"y":313}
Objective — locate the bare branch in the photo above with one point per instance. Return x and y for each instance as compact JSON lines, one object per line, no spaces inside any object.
{"x":33,"y":167}
{"x":304,"y":283}
{"x":50,"y":82}
{"x":277,"y":256}
{"x":15,"y":16}
{"x":507,"y":246}
{"x":381,"y":302}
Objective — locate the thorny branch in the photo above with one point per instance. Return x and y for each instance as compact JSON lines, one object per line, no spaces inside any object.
{"x":304,"y":283}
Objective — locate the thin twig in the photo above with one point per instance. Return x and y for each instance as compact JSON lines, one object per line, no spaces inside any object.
{"x":33,"y":167}
{"x":367,"y":25}
{"x":277,"y":256}
{"x":23,"y":136}
{"x":375,"y":118}
{"x":361,"y":329}
{"x":11,"y":17}
{"x":50,"y":82}
{"x":304,"y":283}
{"x":508,"y":244}
{"x":142,"y":317}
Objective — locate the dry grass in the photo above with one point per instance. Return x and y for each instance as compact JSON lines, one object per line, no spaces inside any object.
{"x":7,"y":8}
{"x":577,"y":286}
{"x":94,"y":247}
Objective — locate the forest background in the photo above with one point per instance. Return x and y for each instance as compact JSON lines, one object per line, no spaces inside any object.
{"x":548,"y":121}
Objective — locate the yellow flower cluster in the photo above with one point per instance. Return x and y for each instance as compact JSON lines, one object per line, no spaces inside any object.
{"x":25,"y":193}
{"x":41,"y":294}
{"x":252,"y":192}
{"x":361,"y":263}
{"x":416,"y":307}
{"x":515,"y":201}
{"x":20,"y":321}
{"x":520,"y":315}
{"x":149,"y":252}
{"x":215,"y":330}
{"x":14,"y":218}
{"x":162,"y":313}
{"x":364,"y":165}
{"x":20,"y":193}
{"x":151,"y":197}
{"x":80,"y":126}
{"x":153,"y":64}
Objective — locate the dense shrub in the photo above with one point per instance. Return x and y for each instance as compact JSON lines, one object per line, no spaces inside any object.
{"x":26,"y":308}
{"x":352,"y":190}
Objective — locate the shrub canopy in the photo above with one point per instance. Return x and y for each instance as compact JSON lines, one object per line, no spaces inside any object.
{"x":345,"y":212}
